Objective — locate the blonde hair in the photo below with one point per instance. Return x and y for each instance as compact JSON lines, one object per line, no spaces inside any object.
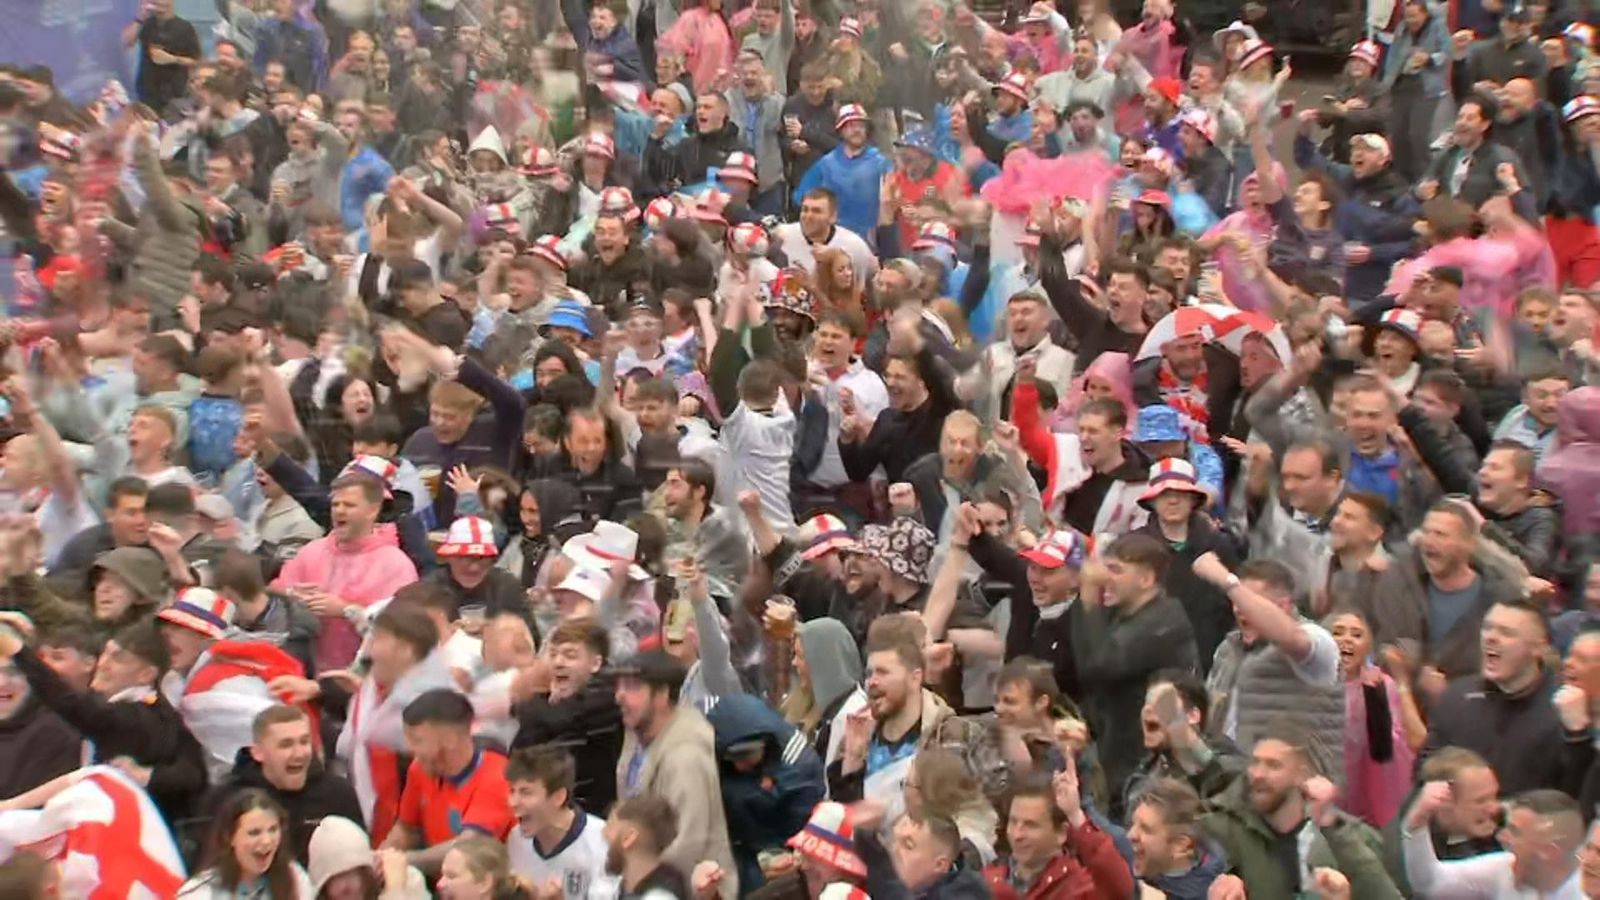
{"x":455,"y":396}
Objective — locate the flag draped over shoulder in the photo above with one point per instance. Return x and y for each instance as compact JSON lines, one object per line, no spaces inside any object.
{"x":107,"y":835}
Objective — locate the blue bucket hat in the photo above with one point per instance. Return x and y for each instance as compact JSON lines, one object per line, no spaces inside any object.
{"x":1158,"y":422}
{"x":570,"y":314}
{"x":918,"y":139}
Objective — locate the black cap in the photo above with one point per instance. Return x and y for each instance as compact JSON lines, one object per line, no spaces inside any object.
{"x":1517,"y":13}
{"x":656,"y":668}
{"x":642,"y":301}
{"x":1451,"y":274}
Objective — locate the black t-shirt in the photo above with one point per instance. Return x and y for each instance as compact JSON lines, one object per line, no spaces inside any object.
{"x":1286,"y":850}
{"x":158,"y":84}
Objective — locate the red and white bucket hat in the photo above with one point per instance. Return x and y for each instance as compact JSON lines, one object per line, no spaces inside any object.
{"x":740,"y":166}
{"x":200,"y":609}
{"x":469,"y":537}
{"x":850,"y":112}
{"x":548,"y":248}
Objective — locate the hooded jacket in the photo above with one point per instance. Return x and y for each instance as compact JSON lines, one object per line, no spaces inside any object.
{"x":855,"y":180}
{"x":834,"y":663}
{"x":680,"y":767}
{"x":339,"y":845}
{"x":322,"y":796}
{"x":766,"y":806}
{"x":1571,"y":470}
{"x":361,"y":572}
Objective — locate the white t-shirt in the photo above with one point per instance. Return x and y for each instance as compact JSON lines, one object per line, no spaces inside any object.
{"x":798,"y":250}
{"x":578,"y":862}
{"x":759,"y":447}
{"x":429,"y":249}
{"x":59,"y":522}
{"x":1320,"y":667}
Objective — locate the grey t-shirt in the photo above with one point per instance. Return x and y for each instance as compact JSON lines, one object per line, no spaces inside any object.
{"x":1445,"y":608}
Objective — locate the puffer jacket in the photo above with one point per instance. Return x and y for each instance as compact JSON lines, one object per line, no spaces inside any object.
{"x":768,"y":805}
{"x":165,"y":241}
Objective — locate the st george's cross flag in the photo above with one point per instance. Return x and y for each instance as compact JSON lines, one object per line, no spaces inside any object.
{"x":108,"y":837}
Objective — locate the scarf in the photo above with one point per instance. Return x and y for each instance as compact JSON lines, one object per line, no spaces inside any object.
{"x":1188,"y":398}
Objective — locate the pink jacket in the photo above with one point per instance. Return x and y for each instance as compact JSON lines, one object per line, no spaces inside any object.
{"x":361,"y":573}
{"x":704,"y":39}
{"x":1373,"y":790}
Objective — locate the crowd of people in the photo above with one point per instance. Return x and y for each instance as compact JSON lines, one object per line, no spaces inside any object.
{"x":820,"y":449}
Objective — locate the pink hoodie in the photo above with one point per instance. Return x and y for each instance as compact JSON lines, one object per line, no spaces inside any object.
{"x":362,"y":573}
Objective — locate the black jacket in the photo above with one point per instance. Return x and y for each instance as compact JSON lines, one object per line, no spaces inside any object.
{"x":1520,"y":736}
{"x":1088,"y":324}
{"x":1029,"y":635}
{"x":323,"y":795}
{"x":35,"y":747}
{"x":816,"y":595}
{"x":1117,"y":653}
{"x":589,"y":725}
{"x":897,"y":438}
{"x":150,"y":732}
{"x":698,"y":152}
{"x":1210,"y":611}
{"x":606,"y":283}
{"x":1532,"y":535}
{"x":499,"y":592}
{"x":816,"y":129}
{"x":613,"y":492}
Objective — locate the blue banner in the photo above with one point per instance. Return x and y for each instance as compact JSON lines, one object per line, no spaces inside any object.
{"x":80,"y":40}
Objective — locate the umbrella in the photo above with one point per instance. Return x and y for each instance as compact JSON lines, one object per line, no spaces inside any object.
{"x":1244,"y":323}
{"x":1218,"y":322}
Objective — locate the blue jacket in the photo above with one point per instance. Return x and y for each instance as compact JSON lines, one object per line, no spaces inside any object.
{"x":363,"y":175}
{"x":1433,"y":39}
{"x":766,"y":806}
{"x":855,"y":181}
{"x":619,"y":45}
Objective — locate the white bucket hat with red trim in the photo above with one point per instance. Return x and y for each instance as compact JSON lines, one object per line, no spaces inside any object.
{"x":548,"y":248}
{"x":741,"y":166}
{"x":1253,"y":51}
{"x":618,"y":201}
{"x":710,"y":206}
{"x":1201,"y":121}
{"x":1368,"y":52}
{"x":660,"y":211}
{"x":1015,"y":84}
{"x":748,"y":239}
{"x":539,"y":162}
{"x":850,"y":27}
{"x":598,"y":143}
{"x":936,"y":234}
{"x":202,"y":610}
{"x":469,"y":537}
{"x":608,"y":544}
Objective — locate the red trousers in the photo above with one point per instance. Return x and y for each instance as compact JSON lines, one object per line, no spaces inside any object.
{"x":1575,"y":244}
